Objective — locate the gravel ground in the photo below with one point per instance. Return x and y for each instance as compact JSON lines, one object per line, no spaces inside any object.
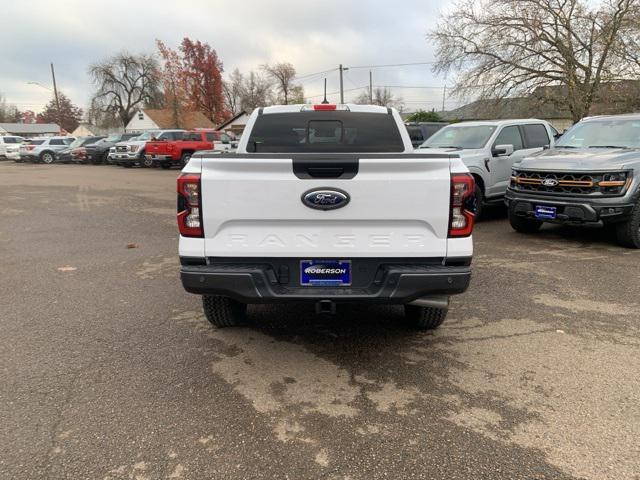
{"x":108,"y":369}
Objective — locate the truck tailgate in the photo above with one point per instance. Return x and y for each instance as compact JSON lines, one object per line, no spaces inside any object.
{"x":399,"y":207}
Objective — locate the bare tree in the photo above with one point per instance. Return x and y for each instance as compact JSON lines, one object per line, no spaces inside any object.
{"x":233,"y":88}
{"x":382,"y":96}
{"x":4,"y":109}
{"x":507,"y":47}
{"x":8,"y":113}
{"x":125,"y":83}
{"x":256,"y":92}
{"x":296,"y":95}
{"x":282,"y":75}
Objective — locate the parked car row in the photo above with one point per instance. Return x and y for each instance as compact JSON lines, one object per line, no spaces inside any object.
{"x":163,"y":148}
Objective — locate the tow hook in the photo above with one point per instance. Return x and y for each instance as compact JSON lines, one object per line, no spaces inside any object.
{"x":326,"y":306}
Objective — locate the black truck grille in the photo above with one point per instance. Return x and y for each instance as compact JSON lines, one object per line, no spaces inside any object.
{"x":573,"y":183}
{"x":121,"y":148}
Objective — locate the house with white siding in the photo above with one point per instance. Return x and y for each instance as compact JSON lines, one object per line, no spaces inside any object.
{"x":235,"y":124}
{"x":161,"y":119}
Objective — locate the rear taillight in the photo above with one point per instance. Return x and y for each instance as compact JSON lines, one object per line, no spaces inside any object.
{"x":189,"y":205}
{"x":462,"y":211}
{"x":30,"y":147}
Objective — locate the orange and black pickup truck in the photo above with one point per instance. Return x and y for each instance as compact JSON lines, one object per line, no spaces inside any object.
{"x":166,"y":153}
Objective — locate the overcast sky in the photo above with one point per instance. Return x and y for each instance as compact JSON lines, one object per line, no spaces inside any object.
{"x":312,"y":35}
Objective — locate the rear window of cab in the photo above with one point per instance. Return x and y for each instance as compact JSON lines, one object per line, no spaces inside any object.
{"x":325,"y":132}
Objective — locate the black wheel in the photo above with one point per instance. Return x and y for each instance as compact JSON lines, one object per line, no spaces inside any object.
{"x":144,"y":161}
{"x":98,"y":159}
{"x":425,"y":318}
{"x":184,"y":159}
{"x":628,"y":232}
{"x":479,"y":201}
{"x":523,"y":225}
{"x":224,"y":311}
{"x":47,"y":157}
{"x":165,"y":165}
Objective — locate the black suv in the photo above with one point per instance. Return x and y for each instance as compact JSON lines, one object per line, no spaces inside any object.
{"x":420,"y":131}
{"x":590,"y":177}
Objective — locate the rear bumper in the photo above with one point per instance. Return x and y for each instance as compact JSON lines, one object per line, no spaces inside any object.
{"x":262,"y":283}
{"x":28,"y":157}
{"x":573,"y":210}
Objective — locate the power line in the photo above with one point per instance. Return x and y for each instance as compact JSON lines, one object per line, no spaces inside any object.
{"x":411,"y":86}
{"x":307,"y":75}
{"x":394,"y":65}
{"x":337,"y":92}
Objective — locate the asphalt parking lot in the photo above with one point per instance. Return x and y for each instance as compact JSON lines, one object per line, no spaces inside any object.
{"x":109,"y":370}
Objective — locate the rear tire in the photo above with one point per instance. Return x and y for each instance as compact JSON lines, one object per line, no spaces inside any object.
{"x":425,"y":318}
{"x":523,"y":225}
{"x":224,"y":311}
{"x":628,"y":232}
{"x":165,"y":165}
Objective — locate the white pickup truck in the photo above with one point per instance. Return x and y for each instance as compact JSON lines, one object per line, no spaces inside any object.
{"x":490,"y":148}
{"x":325,"y":204}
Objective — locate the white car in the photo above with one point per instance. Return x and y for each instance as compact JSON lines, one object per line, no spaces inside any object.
{"x":490,"y":148}
{"x":43,"y":149}
{"x":132,"y":152}
{"x":325,"y":204}
{"x":10,"y":147}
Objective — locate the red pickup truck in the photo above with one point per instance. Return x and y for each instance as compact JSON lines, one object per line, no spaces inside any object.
{"x":178,"y":152}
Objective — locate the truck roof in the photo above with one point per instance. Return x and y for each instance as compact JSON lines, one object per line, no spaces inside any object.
{"x":497,"y":122}
{"x":352,"y":107}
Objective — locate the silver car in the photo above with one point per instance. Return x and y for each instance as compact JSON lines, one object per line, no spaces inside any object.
{"x":9,"y":146}
{"x":43,"y":150}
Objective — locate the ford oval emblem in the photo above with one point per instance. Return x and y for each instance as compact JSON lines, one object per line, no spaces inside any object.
{"x":325,"y":198}
{"x":550,"y":182}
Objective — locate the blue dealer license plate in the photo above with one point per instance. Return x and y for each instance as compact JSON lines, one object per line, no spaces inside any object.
{"x":325,"y":273}
{"x":545,"y":213}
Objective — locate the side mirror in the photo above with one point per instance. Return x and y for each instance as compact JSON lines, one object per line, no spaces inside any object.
{"x":502,"y":150}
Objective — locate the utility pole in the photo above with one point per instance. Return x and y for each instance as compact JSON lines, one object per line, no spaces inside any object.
{"x":55,"y":92}
{"x":342,"y":69}
{"x":370,"y":87}
{"x":444,"y":94}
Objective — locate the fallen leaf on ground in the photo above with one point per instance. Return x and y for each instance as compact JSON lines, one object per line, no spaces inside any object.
{"x":132,"y":245}
{"x":66,"y":269}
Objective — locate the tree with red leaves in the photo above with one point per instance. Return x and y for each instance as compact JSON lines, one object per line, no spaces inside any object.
{"x":173,"y":82}
{"x":192,"y":79}
{"x":68,"y":117}
{"x":203,"y":71}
